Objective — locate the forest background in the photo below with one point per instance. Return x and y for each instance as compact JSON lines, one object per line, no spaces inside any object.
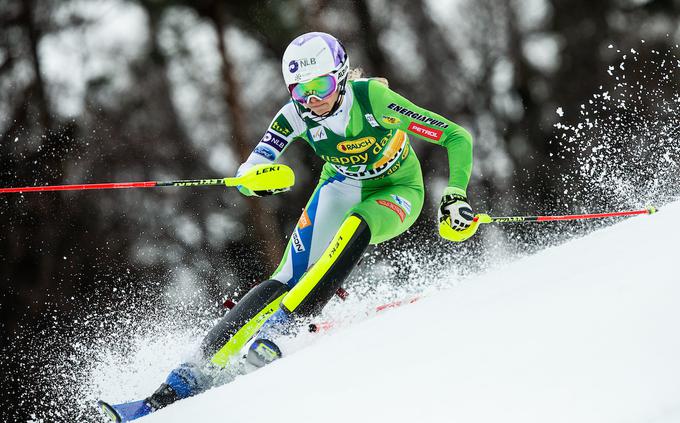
{"x":116,"y":90}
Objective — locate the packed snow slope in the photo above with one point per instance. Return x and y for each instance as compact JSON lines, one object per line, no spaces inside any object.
{"x":584,"y":332}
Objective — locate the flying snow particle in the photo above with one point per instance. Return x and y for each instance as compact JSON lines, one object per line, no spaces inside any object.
{"x":560,"y":112}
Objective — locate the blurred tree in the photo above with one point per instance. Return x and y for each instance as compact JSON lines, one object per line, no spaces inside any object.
{"x":266,"y":228}
{"x":29,"y":239}
{"x":369,"y":33}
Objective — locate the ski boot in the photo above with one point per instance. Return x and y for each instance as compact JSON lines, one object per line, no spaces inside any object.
{"x":184,"y":381}
{"x":263,"y":352}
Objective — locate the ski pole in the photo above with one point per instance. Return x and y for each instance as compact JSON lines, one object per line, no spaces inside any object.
{"x":449,"y":233}
{"x":257,"y":178}
{"x":485,"y":218}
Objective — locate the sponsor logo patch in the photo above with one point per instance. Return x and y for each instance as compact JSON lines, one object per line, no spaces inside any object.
{"x":404,"y":203}
{"x":280,"y":128}
{"x":356,"y":146}
{"x":424,"y":131}
{"x":295,"y":65}
{"x":304,"y":221}
{"x":371,"y":120}
{"x":359,"y":158}
{"x":298,"y":246}
{"x":274,"y":140}
{"x":265,"y":152}
{"x":417,"y":116}
{"x":395,"y":208}
{"x":318,"y":133}
{"x":391,"y":120}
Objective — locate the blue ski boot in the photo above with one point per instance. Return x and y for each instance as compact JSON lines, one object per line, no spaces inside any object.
{"x":183,"y":382}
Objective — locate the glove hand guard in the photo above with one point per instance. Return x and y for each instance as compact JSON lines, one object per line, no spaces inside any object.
{"x":456,"y":218}
{"x":263,"y":179}
{"x":262,"y":193}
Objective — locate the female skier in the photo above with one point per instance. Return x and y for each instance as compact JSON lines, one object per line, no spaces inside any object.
{"x":370,"y":190}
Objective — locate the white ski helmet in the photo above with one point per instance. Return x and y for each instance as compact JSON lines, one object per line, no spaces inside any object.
{"x":312,"y":55}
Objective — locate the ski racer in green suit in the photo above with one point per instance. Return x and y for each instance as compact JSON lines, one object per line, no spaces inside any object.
{"x":370,"y":191}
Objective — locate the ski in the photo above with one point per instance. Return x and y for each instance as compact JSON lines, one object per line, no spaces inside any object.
{"x":125,"y":412}
{"x":327,"y":325}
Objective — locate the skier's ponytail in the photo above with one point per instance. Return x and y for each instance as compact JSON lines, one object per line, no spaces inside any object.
{"x":357,"y":73}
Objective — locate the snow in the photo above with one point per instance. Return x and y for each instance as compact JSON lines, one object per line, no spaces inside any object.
{"x":583,"y":332}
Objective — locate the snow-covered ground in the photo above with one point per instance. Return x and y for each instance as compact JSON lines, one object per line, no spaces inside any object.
{"x":584,"y":332}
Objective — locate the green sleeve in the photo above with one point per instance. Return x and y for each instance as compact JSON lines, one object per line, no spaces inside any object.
{"x":394,"y":111}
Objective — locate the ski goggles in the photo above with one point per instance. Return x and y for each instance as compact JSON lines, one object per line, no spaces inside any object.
{"x":320,"y":88}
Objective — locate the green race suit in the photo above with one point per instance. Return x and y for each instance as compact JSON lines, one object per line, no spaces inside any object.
{"x":370,"y":167}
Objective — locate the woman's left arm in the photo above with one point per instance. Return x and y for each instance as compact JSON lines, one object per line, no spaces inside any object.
{"x":394,"y":111}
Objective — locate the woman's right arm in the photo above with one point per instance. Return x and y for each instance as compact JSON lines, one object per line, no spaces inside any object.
{"x":283,"y":129}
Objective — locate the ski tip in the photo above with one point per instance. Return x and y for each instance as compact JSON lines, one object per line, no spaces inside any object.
{"x":110,"y":411}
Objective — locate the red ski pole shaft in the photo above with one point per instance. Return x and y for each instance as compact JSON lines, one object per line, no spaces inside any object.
{"x":119,"y":185}
{"x":79,"y":187}
{"x":521,"y":219}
